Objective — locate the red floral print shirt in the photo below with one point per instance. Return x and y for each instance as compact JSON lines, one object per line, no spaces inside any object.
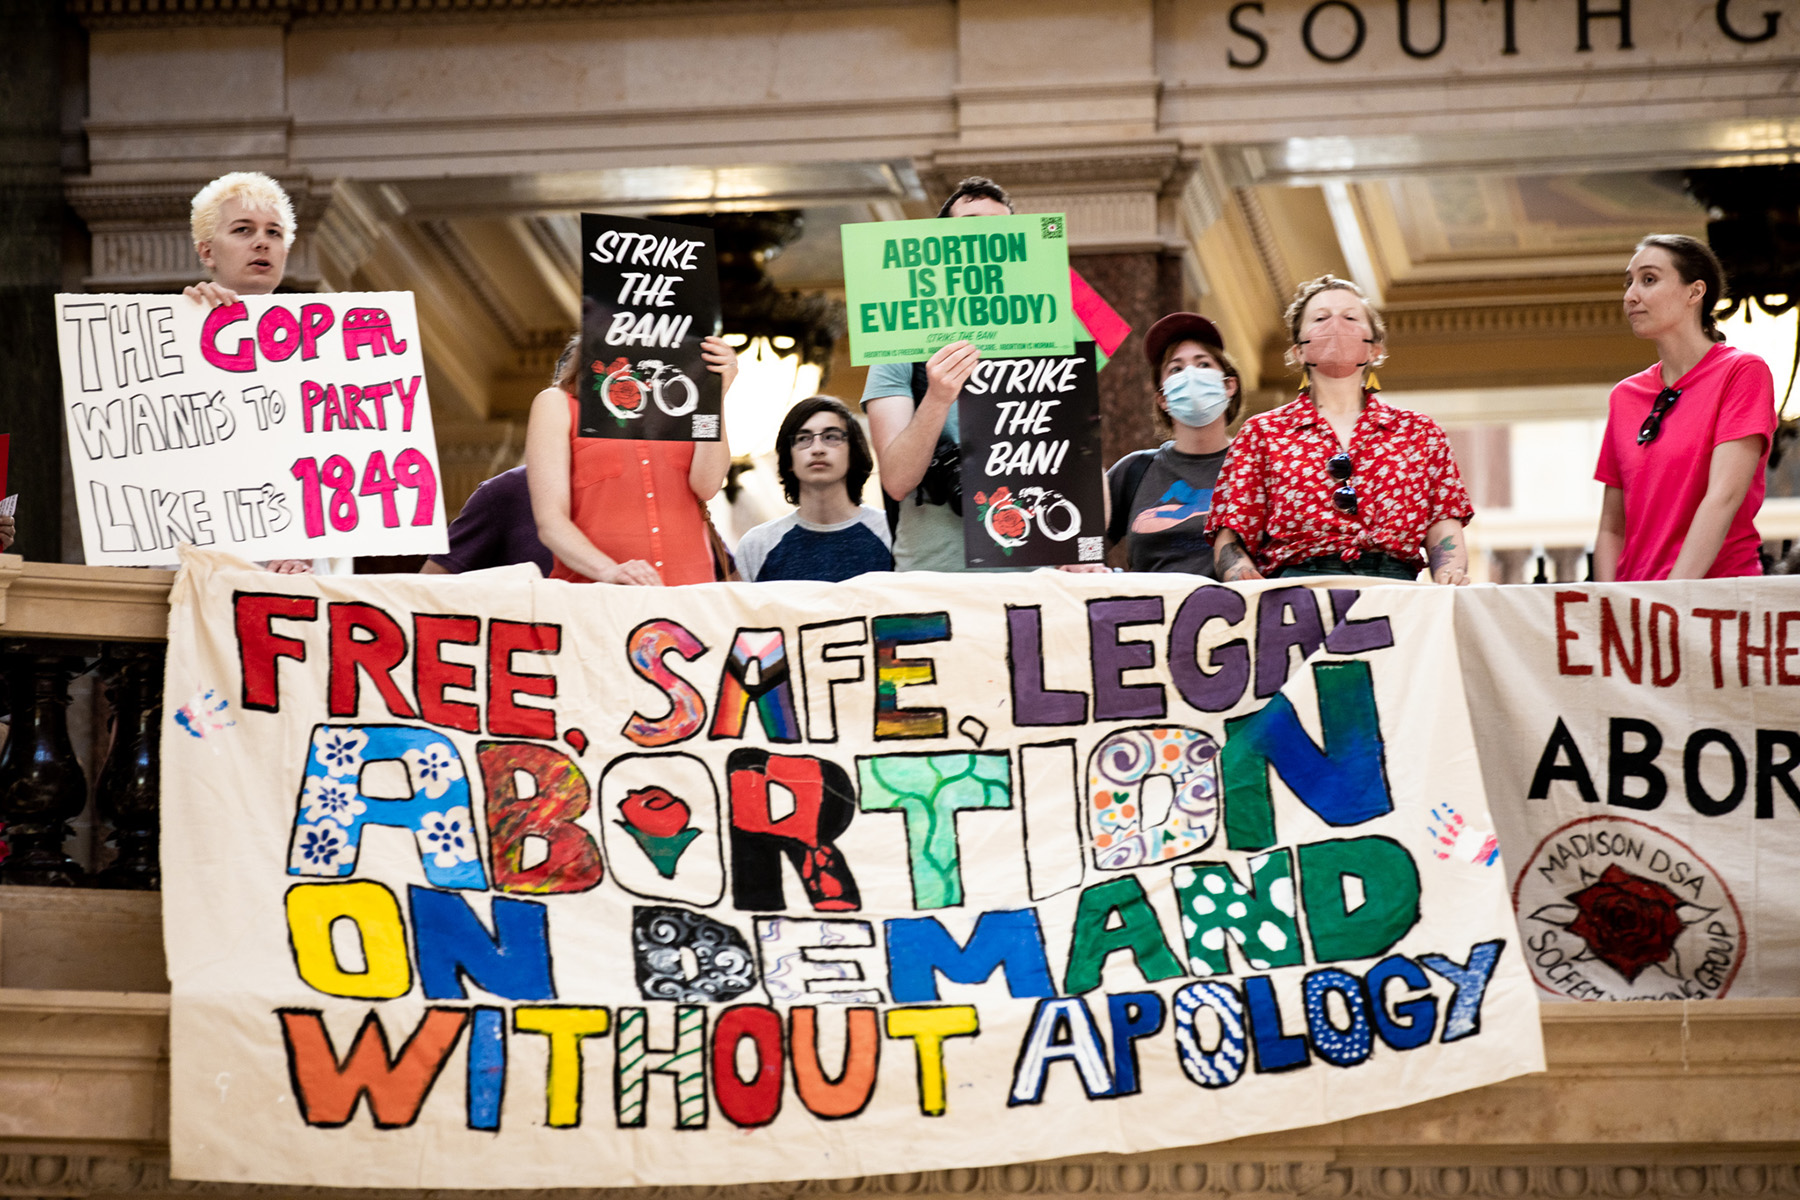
{"x":1274,"y":490}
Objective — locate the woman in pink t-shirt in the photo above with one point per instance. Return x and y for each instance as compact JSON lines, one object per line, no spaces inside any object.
{"x":1686,"y":440}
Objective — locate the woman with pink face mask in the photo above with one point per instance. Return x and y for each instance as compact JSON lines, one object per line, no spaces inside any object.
{"x":1337,"y":482}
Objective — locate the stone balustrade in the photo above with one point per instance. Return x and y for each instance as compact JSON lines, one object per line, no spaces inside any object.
{"x":58,"y":624}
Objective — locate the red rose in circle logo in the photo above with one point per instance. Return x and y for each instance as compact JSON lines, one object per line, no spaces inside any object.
{"x":654,"y":812}
{"x":1629,"y":922}
{"x":1009,"y":522}
{"x":624,"y":393}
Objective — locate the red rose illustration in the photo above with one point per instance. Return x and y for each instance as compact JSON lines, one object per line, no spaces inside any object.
{"x":624,"y":394}
{"x":654,"y":812}
{"x":1629,"y":922}
{"x":1009,"y":522}
{"x":657,"y":822}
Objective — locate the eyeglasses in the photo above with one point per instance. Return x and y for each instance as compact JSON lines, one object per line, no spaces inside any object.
{"x":1341,"y":468}
{"x":1665,"y":400}
{"x":830,"y":437}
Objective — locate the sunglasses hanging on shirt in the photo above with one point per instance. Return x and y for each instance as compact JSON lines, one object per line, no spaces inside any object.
{"x":1665,"y":400}
{"x":1342,"y":468}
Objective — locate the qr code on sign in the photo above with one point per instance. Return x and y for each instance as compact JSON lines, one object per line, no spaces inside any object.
{"x":706,"y":427}
{"x":1091,"y":549}
{"x":1051,"y":228}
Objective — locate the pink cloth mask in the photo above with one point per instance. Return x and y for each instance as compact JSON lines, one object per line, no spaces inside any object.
{"x":1337,"y":348}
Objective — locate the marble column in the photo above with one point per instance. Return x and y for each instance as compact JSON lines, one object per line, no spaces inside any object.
{"x":32,"y":220}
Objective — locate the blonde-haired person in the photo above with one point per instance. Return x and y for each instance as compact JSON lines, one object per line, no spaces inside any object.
{"x":243,"y":225}
{"x":615,"y":510}
{"x":1337,"y":482}
{"x":1687,"y":440}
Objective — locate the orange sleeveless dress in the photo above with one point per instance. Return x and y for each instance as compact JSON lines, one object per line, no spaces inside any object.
{"x":632,"y":500}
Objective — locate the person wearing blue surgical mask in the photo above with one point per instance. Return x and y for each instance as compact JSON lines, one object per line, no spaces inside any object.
{"x":1160,"y":497}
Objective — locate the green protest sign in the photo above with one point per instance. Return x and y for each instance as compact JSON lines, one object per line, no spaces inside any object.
{"x":913,"y":287}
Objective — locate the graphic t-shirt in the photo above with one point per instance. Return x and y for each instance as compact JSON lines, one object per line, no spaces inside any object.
{"x":790,"y":548}
{"x":1727,"y":395}
{"x":1166,"y":529}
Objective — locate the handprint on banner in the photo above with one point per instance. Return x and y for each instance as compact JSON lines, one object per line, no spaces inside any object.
{"x":204,"y":714}
{"x":1457,"y":839}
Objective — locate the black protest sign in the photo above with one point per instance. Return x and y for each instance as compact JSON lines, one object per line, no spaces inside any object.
{"x":649,"y":294}
{"x":1031,"y":484}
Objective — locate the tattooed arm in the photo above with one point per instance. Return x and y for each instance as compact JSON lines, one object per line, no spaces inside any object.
{"x":1445,"y":550}
{"x":1232,"y":562}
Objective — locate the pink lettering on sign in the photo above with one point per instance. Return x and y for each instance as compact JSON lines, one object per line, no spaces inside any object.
{"x":370,"y":327}
{"x":241,"y":359}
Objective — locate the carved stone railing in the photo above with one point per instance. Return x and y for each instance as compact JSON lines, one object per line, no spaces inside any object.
{"x":60,"y":623}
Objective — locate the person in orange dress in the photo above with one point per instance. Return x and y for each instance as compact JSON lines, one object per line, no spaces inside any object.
{"x":616,"y":510}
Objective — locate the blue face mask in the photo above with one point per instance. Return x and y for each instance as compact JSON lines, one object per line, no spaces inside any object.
{"x":1196,"y":396}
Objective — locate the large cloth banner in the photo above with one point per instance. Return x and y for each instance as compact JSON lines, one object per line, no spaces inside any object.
{"x":1641,"y":746}
{"x":285,"y":426}
{"x":486,"y":881}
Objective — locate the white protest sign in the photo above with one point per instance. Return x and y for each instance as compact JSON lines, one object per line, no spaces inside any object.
{"x":1640,"y":750}
{"x":287,"y":426}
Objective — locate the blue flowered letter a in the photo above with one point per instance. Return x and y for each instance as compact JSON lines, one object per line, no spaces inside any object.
{"x":333,"y":808}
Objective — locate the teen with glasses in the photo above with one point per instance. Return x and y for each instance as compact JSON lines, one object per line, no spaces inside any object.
{"x":1688,"y":439}
{"x":1337,"y":482}
{"x":823,"y":460}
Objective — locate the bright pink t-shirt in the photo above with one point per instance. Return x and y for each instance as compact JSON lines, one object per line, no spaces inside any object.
{"x":1729,"y":394}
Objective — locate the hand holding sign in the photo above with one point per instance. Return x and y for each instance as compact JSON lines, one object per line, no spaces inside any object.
{"x":721,"y":360}
{"x":949,"y":369}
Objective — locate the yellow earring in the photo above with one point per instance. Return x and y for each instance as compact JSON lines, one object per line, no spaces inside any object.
{"x":1373,"y":384}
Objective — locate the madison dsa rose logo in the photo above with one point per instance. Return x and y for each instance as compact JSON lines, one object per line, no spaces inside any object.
{"x":1614,"y":909}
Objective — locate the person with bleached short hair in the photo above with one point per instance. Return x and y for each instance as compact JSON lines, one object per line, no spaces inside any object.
{"x":243,"y":225}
